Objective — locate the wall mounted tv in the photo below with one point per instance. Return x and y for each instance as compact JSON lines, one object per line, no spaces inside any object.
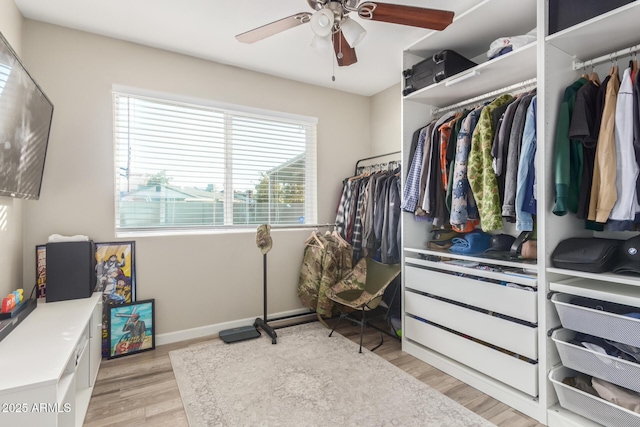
{"x":25,"y":122}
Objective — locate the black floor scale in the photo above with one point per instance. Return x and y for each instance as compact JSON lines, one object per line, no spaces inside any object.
{"x":243,"y":333}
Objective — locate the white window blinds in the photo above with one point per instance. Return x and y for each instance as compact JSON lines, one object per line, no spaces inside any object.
{"x":187,"y":166}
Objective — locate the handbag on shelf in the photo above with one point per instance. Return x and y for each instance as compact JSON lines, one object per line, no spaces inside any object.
{"x":588,"y":254}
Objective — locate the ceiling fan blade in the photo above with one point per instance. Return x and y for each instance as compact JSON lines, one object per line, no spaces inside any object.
{"x":274,"y":27}
{"x":433,"y":19}
{"x":345,"y":54}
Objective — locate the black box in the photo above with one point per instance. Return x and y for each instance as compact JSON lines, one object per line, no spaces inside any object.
{"x":433,"y":70}
{"x":71,"y":270}
{"x":567,"y":13}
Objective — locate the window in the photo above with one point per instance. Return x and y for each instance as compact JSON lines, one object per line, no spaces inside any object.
{"x":186,"y":166}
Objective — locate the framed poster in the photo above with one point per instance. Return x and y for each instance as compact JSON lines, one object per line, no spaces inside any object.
{"x":115,"y":278}
{"x":116,"y":272}
{"x":41,"y":271}
{"x":131,"y":328}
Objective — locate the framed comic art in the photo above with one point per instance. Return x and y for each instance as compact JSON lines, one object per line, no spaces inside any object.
{"x":115,"y":278}
{"x":131,"y":328}
{"x":41,"y":271}
{"x":116,"y":272}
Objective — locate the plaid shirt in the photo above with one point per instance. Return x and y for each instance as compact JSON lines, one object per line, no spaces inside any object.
{"x":412,"y":187}
{"x":340,"y":216}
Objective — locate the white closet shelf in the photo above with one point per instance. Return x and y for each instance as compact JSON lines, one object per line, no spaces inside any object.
{"x":594,"y":37}
{"x":470,"y":35}
{"x":602,"y":277}
{"x":477,"y":258}
{"x":596,"y":289}
{"x":502,"y":71}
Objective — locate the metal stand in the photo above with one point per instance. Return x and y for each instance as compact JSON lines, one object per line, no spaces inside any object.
{"x":262,"y":322}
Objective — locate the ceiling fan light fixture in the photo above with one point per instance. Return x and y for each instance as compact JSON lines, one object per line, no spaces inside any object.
{"x":322,"y":44}
{"x":322,"y":22}
{"x":353,"y":32}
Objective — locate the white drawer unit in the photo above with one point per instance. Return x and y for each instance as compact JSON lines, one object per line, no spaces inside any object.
{"x":512,"y":336}
{"x":510,"y":370}
{"x":53,"y":355}
{"x":513,"y":302}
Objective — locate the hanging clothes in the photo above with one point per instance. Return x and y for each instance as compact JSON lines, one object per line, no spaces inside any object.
{"x":626,"y":205}
{"x":603,"y":187}
{"x":525,"y":202}
{"x":480,"y":170}
{"x":464,"y":213}
{"x":513,"y":157}
{"x":461,"y":149}
{"x":584,"y":127}
{"x":375,"y":208}
{"x":565,"y":171}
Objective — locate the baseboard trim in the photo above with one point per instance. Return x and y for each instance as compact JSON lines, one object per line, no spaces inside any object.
{"x":214,"y":330}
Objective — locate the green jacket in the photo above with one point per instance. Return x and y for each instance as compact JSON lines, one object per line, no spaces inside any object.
{"x":482,"y":178}
{"x":567,"y":156}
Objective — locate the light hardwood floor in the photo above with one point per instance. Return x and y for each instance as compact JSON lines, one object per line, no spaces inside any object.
{"x":141,"y":390}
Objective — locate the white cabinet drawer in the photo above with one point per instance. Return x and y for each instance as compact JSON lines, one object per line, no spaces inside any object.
{"x":503,"y":333}
{"x":512,"y":302}
{"x":510,"y":370}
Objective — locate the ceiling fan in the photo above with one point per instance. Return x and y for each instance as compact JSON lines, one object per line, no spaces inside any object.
{"x":332,"y":25}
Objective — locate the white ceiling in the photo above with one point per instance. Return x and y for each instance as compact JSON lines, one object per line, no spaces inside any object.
{"x":207,"y":28}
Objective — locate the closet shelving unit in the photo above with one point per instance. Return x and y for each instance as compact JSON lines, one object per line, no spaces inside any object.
{"x":442,"y":308}
{"x":436,"y":297}
{"x":565,"y":53}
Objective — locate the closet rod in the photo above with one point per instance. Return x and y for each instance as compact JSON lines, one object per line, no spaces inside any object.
{"x":578,"y":65}
{"x":374,"y":157}
{"x":491,"y":94}
{"x":284,"y":227}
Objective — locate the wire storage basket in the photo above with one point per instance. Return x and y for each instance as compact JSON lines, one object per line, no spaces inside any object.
{"x":617,"y":371}
{"x":600,"y":323}
{"x":589,"y":406}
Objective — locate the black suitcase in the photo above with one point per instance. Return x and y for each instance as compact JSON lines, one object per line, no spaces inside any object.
{"x":433,"y":70}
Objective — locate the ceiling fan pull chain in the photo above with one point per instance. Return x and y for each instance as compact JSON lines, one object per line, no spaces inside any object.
{"x":333,"y":70}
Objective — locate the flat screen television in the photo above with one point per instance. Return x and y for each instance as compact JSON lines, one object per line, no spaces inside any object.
{"x":25,"y":122}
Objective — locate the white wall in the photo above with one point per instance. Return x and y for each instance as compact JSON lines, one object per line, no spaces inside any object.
{"x":196,"y":280}
{"x":11,"y":22}
{"x":386,"y":121}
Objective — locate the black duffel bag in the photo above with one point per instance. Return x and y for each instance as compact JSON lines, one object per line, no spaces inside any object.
{"x":586,"y":254}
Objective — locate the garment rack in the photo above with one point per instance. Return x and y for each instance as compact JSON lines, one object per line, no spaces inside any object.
{"x":492,"y":94}
{"x":579,"y":65}
{"x":263,"y":322}
{"x":373,"y":157}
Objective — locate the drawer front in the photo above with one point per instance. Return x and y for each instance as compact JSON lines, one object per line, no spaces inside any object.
{"x":512,"y":302}
{"x":514,"y":372}
{"x":509,"y":335}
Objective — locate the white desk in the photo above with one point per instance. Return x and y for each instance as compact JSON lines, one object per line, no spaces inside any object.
{"x":49,"y":363}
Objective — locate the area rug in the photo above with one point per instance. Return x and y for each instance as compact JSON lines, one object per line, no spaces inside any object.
{"x":306,"y":379}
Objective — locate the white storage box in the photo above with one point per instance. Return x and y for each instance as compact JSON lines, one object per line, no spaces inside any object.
{"x":589,"y":406}
{"x":618,"y":371}
{"x":599,"y":323}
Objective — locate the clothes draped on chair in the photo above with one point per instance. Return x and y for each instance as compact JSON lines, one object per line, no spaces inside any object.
{"x":361,"y":292}
{"x":327,"y":259}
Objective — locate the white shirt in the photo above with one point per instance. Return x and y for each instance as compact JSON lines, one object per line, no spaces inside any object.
{"x":626,"y":205}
